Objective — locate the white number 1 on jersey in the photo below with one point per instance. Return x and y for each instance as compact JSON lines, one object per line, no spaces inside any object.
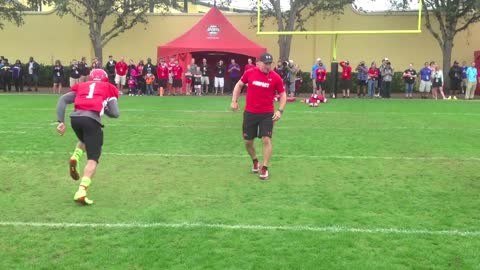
{"x":90,"y":92}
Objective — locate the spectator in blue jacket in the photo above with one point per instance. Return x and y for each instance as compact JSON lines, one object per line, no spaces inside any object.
{"x":17,"y":75}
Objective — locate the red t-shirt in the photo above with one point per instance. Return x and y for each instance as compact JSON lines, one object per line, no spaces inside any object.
{"x":373,"y":73}
{"x":140,"y":70}
{"x":249,"y":66}
{"x":346,"y":72}
{"x":262,"y":88}
{"x":321,"y":74}
{"x":121,"y":68}
{"x":93,"y":96}
{"x":177,"y":72}
{"x":170,"y":66}
{"x":162,"y":72}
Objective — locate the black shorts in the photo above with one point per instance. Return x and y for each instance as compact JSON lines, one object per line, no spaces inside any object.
{"x":162,"y":83}
{"x":455,"y":85}
{"x":177,"y":83}
{"x":361,"y":83}
{"x":257,"y":125}
{"x":57,"y":79}
{"x":436,"y":84}
{"x":344,"y":84}
{"x":321,"y":85}
{"x":90,"y":133}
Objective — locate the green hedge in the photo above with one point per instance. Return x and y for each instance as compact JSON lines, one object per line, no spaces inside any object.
{"x":398,"y":84}
{"x":45,"y":75}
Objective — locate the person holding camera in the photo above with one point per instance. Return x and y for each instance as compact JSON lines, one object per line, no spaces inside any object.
{"x":290,"y":72}
{"x":409,"y":76}
{"x":362,"y":75}
{"x":387,"y":78}
{"x":346,"y":82}
{"x":219,"y":77}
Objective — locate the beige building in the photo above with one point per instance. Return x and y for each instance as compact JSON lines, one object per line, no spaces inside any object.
{"x":48,"y":37}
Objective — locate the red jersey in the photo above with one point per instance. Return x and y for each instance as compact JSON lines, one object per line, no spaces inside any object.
{"x":321,"y":74}
{"x":93,"y":95}
{"x":121,"y":68}
{"x":262,"y":88}
{"x":140,"y":70}
{"x":373,"y":74}
{"x":177,"y":72}
{"x":170,"y":66}
{"x":162,"y":72}
{"x":346,"y":72}
{"x":249,"y":66}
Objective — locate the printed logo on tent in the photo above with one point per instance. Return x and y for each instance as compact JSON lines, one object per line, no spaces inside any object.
{"x":213,"y":31}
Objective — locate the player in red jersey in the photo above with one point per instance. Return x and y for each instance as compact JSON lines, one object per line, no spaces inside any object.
{"x":260,"y":114}
{"x":91,"y":100}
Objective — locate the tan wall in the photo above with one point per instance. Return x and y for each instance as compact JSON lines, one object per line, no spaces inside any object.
{"x":48,"y":37}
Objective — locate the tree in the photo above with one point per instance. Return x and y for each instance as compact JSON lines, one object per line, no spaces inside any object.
{"x":294,"y":19}
{"x":11,"y":11}
{"x":124,"y":14}
{"x":444,"y":19}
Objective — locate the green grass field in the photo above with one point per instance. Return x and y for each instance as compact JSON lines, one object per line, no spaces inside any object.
{"x":354,"y":184}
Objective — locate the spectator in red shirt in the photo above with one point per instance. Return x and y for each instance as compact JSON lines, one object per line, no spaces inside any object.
{"x":162,"y":73}
{"x":321,"y":79}
{"x":121,"y":69}
{"x":346,"y":82}
{"x":177,"y":72}
{"x":170,"y":66}
{"x":249,"y":65}
{"x":260,"y":113}
{"x":140,"y":77}
{"x":372,"y":79}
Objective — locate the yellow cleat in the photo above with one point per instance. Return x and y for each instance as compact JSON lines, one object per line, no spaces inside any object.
{"x":449,"y":97}
{"x":81,"y":197}
{"x":455,"y":97}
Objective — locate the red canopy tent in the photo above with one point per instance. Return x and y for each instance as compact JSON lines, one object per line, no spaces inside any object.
{"x":214,"y":38}
{"x":213,"y":33}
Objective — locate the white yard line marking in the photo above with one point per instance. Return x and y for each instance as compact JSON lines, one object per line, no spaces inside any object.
{"x":187,"y":225}
{"x":13,"y":132}
{"x":292,"y":111}
{"x":245,"y":156}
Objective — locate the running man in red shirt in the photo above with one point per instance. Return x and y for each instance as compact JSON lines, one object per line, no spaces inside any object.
{"x":346,"y":82}
{"x":259,"y":116}
{"x":91,"y":99}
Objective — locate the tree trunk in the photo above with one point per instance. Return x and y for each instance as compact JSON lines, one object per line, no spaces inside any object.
{"x":97,"y":46}
{"x":284,"y":44}
{"x":447,"y":60}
